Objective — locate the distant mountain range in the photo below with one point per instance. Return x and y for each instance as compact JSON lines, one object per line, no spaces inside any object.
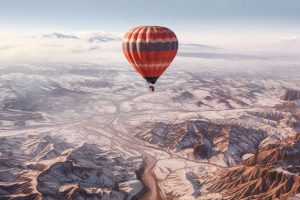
{"x":94,"y":38}
{"x":60,"y":36}
{"x":100,"y":38}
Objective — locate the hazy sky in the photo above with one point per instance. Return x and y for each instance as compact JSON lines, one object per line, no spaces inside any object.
{"x":119,"y":15}
{"x":251,"y":27}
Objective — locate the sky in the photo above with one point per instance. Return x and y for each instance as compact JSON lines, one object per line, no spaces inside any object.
{"x":223,"y":16}
{"x":250,"y":27}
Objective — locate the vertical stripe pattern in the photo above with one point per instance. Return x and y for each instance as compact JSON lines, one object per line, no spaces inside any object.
{"x":150,"y":50}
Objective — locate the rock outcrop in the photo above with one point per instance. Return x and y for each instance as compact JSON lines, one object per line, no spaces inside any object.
{"x":207,"y":139}
{"x":35,"y":168}
{"x":291,"y":95}
{"x":271,"y":173}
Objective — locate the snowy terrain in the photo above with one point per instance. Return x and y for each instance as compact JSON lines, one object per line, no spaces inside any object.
{"x":82,"y":125}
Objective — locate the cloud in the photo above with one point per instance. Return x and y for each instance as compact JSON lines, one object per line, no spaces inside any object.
{"x":88,"y":49}
{"x":96,"y":47}
{"x":227,"y":56}
{"x":199,"y":46}
{"x":6,"y":47}
{"x":290,"y":39}
{"x":77,"y":47}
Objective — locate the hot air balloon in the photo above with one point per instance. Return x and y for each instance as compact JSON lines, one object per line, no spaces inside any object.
{"x":150,"y":50}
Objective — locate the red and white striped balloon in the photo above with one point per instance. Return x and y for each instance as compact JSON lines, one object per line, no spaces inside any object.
{"x":150,"y":50}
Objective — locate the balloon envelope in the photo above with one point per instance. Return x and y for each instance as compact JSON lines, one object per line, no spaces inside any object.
{"x":150,"y":50}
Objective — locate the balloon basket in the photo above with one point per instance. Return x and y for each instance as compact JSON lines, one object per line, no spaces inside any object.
{"x":151,"y":88}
